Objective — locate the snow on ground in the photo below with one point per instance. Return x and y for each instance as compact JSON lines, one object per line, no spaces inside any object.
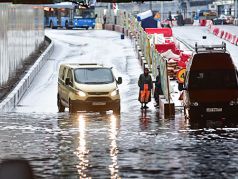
{"x":102,"y":47}
{"x":229,"y":28}
{"x":80,"y":46}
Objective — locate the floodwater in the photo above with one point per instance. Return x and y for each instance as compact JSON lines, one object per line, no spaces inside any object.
{"x":93,"y":145}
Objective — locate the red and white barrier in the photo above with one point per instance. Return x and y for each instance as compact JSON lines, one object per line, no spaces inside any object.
{"x":209,"y":23}
{"x":216,"y":31}
{"x":221,"y":33}
{"x":232,"y":38}
{"x":196,"y":23}
{"x":202,"y":22}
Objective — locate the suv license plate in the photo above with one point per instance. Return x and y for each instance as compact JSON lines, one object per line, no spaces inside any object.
{"x":214,"y":109}
{"x":99,"y":103}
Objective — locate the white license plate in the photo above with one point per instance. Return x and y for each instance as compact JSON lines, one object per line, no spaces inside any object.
{"x":214,"y":109}
{"x":99,"y":103}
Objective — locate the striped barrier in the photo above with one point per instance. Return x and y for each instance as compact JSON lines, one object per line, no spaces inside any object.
{"x":232,"y":38}
{"x":216,"y":31}
{"x":221,"y":33}
{"x":209,"y":23}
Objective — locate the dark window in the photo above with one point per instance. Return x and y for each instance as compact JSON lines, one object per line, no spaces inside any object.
{"x":69,"y":75}
{"x":213,"y":79}
{"x":63,"y":73}
{"x":84,"y":13}
{"x":93,"y":75}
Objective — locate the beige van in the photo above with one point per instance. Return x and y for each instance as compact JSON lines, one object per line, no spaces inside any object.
{"x":87,"y":87}
{"x":210,"y":90}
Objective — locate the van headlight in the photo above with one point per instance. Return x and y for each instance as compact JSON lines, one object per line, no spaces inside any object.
{"x":81,"y":93}
{"x":115,"y":92}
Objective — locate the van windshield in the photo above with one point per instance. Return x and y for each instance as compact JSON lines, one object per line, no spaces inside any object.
{"x":93,"y":75}
{"x":213,"y":79}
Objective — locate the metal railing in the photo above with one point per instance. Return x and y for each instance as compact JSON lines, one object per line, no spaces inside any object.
{"x":21,"y":32}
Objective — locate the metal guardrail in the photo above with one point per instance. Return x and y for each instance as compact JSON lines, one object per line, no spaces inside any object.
{"x":15,"y":96}
{"x":189,"y":46}
{"x":21,"y":32}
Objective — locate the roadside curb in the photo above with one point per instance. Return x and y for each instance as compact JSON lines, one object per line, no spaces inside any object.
{"x":16,"y":94}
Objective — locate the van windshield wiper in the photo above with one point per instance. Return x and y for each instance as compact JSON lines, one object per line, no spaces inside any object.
{"x":101,"y":82}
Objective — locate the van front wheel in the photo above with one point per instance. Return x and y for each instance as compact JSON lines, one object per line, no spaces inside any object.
{"x":61,"y":108}
{"x":72,"y":108}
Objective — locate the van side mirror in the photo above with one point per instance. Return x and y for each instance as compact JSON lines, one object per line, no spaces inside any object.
{"x":96,"y":16}
{"x":119,"y":80}
{"x":180,"y":87}
{"x":67,"y":81}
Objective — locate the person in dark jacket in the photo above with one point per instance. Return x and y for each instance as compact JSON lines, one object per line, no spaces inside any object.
{"x":158,"y":88}
{"x":146,"y":85}
{"x":170,"y":19}
{"x":180,"y":20}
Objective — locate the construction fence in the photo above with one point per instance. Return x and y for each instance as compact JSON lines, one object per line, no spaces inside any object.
{"x":128,"y":24}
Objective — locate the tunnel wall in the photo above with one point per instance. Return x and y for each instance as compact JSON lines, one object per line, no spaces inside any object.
{"x":21,"y":33}
{"x":15,"y":96}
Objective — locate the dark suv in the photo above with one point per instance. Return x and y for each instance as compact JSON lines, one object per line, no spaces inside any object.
{"x":210,"y":90}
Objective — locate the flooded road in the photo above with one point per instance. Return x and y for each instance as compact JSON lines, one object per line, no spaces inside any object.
{"x":91,"y":145}
{"x":108,"y":146}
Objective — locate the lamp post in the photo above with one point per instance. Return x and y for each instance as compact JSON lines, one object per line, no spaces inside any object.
{"x":236,"y":8}
{"x":161,"y":11}
{"x":151,"y":5}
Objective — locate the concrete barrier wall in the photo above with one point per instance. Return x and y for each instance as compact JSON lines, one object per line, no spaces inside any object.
{"x":15,"y":96}
{"x":21,"y":33}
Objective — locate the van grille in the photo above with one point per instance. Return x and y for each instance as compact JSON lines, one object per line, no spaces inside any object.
{"x":98,"y":99}
{"x":98,"y":93}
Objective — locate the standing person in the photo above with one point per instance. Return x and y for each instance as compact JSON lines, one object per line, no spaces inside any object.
{"x":170,"y":19}
{"x":104,"y":20}
{"x":180,"y":19}
{"x":146,"y":85}
{"x":158,"y":88}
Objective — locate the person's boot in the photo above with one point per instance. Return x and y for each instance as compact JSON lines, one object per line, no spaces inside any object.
{"x":146,"y":107}
{"x":157,"y":105}
{"x":141,"y":106}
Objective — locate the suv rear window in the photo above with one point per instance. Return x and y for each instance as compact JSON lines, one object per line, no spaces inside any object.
{"x":93,"y":75}
{"x":213,"y":79}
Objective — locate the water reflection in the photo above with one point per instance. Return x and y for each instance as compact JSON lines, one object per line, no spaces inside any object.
{"x":92,"y":142}
{"x":82,"y":151}
{"x":108,"y":146}
{"x":113,"y":147}
{"x":144,"y":120}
